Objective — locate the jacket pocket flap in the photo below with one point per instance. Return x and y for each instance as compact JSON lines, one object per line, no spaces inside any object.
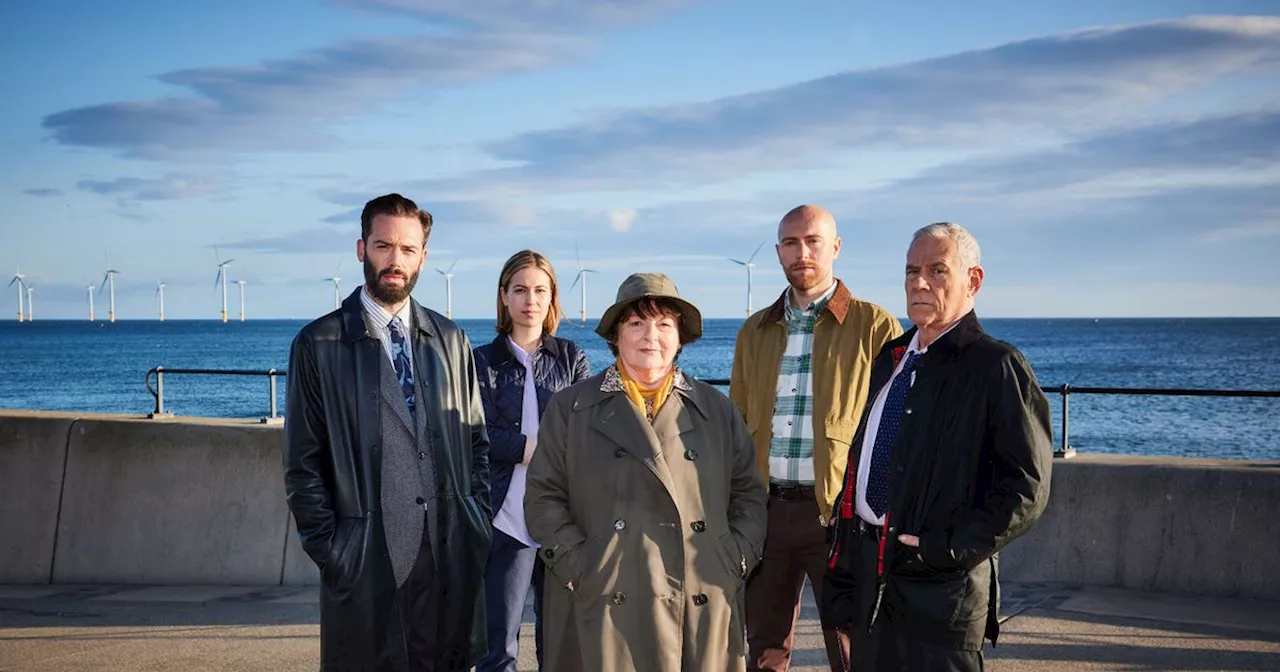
{"x":841,"y":431}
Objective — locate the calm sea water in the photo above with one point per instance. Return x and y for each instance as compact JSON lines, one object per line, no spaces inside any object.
{"x":78,"y":366}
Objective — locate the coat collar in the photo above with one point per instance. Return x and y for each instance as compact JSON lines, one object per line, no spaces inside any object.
{"x":966,"y":331}
{"x":837,"y":305}
{"x":611,"y":384}
{"x":614,"y":416}
{"x":501,"y":354}
{"x":353,"y":323}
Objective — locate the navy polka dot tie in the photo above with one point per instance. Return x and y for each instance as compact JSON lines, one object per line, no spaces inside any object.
{"x":886,"y":435}
{"x":400,"y":357}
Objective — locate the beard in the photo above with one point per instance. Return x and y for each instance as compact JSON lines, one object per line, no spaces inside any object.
{"x":798,"y":278}
{"x":386,"y":294}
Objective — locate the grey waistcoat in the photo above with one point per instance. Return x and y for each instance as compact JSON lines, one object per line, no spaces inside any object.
{"x":406,"y":477}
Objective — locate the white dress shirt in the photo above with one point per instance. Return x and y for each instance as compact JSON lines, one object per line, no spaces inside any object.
{"x":873,"y":427}
{"x":510,"y":518}
{"x":378,"y":319}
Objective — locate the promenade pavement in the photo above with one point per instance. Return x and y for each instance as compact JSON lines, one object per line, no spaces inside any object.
{"x":196,"y":628}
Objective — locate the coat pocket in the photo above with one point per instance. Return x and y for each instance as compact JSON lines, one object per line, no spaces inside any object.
{"x":341,"y":567}
{"x":934,"y":600}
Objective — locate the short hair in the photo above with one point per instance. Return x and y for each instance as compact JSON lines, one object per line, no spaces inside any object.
{"x":519,"y":261}
{"x":648,"y":308}
{"x":393,"y":205}
{"x":966,"y":245}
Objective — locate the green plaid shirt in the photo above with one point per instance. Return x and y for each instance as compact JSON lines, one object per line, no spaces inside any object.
{"x":791,"y":445}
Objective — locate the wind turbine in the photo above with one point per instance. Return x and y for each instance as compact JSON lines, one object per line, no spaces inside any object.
{"x":21,"y":281}
{"x":337,"y":296}
{"x":31,"y":302}
{"x":222,"y":277}
{"x":749,"y":264}
{"x":160,"y":297}
{"x":241,"y":283}
{"x":109,"y":280}
{"x":90,"y":302}
{"x":448,"y":289}
{"x":581,"y":277}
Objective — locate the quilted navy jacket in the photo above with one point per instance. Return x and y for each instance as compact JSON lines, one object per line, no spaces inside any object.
{"x":557,"y":365}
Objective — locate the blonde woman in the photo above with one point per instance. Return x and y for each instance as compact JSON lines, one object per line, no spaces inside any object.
{"x":518,"y":373}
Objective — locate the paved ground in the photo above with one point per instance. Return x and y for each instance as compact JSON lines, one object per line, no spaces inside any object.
{"x":1049,"y":627}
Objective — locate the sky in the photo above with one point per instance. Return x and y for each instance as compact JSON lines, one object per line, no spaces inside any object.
{"x":1113,"y":159}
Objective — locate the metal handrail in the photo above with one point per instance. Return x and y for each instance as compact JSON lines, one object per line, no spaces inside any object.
{"x":157,"y":392}
{"x":1066,"y":390}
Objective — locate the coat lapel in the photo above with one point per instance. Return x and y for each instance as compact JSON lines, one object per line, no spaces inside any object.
{"x":617,"y":418}
{"x":674,"y":418}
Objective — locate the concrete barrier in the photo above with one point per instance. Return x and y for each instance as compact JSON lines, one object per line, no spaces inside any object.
{"x":1174,"y":525}
{"x":33,"y":451}
{"x":200,"y":501}
{"x":299,"y":570}
{"x":163,"y":502}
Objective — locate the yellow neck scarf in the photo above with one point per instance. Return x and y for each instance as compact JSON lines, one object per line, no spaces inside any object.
{"x":646,"y":401}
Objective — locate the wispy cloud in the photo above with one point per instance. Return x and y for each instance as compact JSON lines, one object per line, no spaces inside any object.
{"x":302,"y":241}
{"x":167,"y":188}
{"x":43,"y":192}
{"x":1057,"y":86}
{"x":1161,"y":153}
{"x":287,"y":103}
{"x":540,"y":14}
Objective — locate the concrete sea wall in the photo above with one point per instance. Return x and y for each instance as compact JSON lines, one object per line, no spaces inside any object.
{"x":124,"y":499}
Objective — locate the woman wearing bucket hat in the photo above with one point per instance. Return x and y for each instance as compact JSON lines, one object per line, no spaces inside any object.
{"x":645,"y":500}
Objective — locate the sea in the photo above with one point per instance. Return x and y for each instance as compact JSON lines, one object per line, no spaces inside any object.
{"x":100,"y":367}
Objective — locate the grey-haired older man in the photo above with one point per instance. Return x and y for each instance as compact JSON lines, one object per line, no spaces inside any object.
{"x":951,"y":462}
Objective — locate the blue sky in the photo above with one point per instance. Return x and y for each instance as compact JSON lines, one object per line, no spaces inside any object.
{"x":1113,"y":159}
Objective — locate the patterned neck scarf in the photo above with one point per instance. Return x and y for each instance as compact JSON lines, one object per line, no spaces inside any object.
{"x":646,"y":401}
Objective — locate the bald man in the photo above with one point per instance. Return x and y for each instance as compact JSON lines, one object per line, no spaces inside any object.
{"x":800,"y":377}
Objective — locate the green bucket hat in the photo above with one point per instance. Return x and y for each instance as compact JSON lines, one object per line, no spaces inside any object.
{"x":639,"y":286}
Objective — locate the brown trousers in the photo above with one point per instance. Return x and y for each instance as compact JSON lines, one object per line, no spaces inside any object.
{"x":795,"y":547}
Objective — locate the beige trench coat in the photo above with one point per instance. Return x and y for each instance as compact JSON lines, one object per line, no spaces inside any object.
{"x":647,"y":531}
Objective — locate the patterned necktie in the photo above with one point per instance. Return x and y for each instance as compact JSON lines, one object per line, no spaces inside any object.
{"x":400,"y":358}
{"x":886,"y":434}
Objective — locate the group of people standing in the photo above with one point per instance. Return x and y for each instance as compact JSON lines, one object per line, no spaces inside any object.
{"x":660,"y":524}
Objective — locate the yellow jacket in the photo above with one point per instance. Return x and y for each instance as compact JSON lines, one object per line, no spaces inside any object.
{"x":846,"y":338}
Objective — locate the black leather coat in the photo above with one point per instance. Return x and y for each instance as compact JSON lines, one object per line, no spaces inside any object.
{"x":560,"y":363}
{"x":333,"y":472}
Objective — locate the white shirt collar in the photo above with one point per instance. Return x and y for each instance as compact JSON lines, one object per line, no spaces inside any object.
{"x":914,"y":346}
{"x":521,"y":356}
{"x":383,"y":316}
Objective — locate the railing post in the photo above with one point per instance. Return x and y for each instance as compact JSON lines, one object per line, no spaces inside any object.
{"x":159,"y":390}
{"x":271,"y":375}
{"x":1066,"y":450}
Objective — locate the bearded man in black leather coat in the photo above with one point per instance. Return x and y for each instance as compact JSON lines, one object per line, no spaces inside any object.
{"x":386,"y":457}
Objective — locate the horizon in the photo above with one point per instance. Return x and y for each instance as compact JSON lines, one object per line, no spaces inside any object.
{"x":1114,"y":160}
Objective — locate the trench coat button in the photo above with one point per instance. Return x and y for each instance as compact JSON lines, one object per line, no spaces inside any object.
{"x":700,"y":599}
{"x":699,"y":526}
{"x":690,"y":454}
{"x":619,"y":453}
{"x":422,"y":456}
{"x":549,"y":554}
{"x":619,"y":597}
{"x":619,"y":524}
{"x":420,"y":501}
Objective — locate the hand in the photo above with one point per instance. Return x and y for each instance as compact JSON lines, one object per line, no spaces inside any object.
{"x":530,"y":444}
{"x":909,"y":540}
